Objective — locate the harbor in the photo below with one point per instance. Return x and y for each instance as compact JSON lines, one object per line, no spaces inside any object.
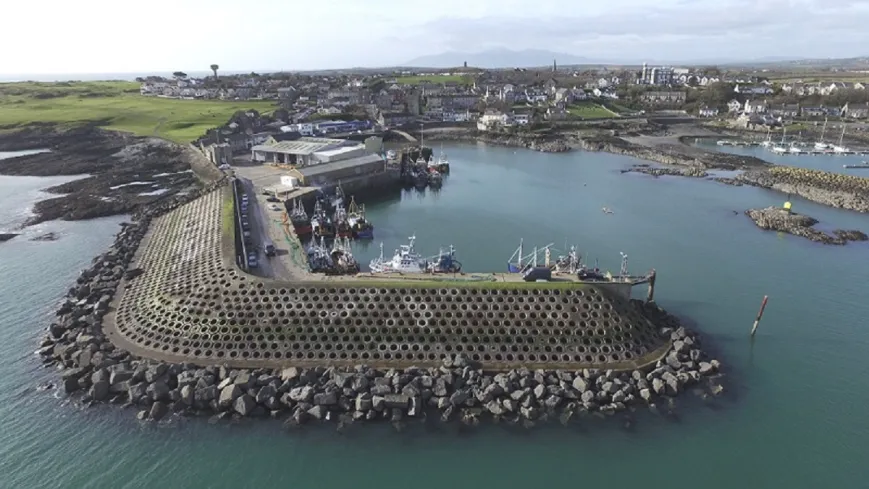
{"x":768,"y":377}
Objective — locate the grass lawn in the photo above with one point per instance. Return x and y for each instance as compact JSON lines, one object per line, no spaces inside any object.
{"x":590,"y":110}
{"x":116,"y":105}
{"x":416,"y":80}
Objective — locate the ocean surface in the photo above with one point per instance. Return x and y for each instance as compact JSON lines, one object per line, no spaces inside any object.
{"x":794,"y":415}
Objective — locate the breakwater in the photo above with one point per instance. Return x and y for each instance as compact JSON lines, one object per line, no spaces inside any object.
{"x":832,"y":189}
{"x":167,"y":353}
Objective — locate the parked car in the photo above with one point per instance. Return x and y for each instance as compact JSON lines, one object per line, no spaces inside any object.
{"x":270,"y":249}
{"x":274,"y":207}
{"x":252,"y":261}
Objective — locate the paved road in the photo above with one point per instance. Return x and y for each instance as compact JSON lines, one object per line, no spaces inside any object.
{"x":259,"y":218}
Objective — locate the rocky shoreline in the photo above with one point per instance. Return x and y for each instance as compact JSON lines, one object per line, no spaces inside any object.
{"x":690,"y":172}
{"x":777,"y":219}
{"x":93,"y":370}
{"x":121,"y":172}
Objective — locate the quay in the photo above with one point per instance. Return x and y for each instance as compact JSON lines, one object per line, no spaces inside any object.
{"x":212,"y":312}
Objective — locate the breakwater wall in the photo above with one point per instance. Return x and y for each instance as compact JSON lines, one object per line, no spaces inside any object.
{"x":188,"y":333}
{"x":832,"y":189}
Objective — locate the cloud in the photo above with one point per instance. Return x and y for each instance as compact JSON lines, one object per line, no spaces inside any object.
{"x":627,"y":28}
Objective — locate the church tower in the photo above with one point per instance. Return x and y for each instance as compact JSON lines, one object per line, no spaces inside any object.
{"x":554,"y":66}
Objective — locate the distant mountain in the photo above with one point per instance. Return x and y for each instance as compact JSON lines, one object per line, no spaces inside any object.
{"x":497,"y":58}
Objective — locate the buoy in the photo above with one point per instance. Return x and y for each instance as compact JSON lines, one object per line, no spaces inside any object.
{"x":787,"y":206}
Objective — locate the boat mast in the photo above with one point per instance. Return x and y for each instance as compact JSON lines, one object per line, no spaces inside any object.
{"x":535,"y":256}
{"x":823,"y":130}
{"x":624,"y":270}
{"x":519,"y":263}
{"x":842,"y":136}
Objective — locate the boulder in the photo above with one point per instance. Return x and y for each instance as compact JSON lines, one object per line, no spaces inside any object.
{"x":244,"y":405}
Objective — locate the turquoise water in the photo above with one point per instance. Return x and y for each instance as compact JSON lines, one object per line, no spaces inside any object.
{"x":795,"y":416}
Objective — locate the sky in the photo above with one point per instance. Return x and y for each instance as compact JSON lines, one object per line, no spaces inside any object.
{"x":112,"y":36}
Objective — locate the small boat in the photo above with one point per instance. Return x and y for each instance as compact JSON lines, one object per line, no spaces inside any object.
{"x":319,"y":258}
{"x":442,"y":164}
{"x":519,"y":263}
{"x":405,"y":260}
{"x":342,"y":259}
{"x":840,"y":148}
{"x":444,"y":262}
{"x":321,"y":224}
{"x":299,"y":219}
{"x":390,"y":155}
{"x":821,"y":145}
{"x":779,"y":149}
{"x":359,"y":225}
{"x":435,"y":178}
{"x":607,"y":210}
{"x":794,"y":149}
{"x":343,"y":229}
{"x":862,"y":165}
{"x":420,"y":179}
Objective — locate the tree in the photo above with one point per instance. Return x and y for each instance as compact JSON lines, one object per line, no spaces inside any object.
{"x":214,"y":68}
{"x":179,"y":74}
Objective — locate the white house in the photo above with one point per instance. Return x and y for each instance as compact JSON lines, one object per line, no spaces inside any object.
{"x":492,"y":119}
{"x":734,"y":106}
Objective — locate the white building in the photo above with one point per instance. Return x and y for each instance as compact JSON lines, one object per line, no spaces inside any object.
{"x":492,"y":119}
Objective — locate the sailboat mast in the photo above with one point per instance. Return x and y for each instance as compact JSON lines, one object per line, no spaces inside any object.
{"x":842,"y":136}
{"x":519,"y":263}
{"x":824,"y":130}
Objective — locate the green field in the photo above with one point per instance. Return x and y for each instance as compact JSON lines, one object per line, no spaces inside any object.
{"x":590,"y":110}
{"x":115,"y":105}
{"x":416,"y":80}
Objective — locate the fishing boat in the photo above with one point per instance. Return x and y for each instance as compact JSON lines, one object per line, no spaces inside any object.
{"x":405,"y":260}
{"x":299,"y":218}
{"x":343,"y":229}
{"x":821,"y":145}
{"x":321,"y":223}
{"x":420,"y":179}
{"x":444,"y":262}
{"x":606,"y":210}
{"x":359,"y":225}
{"x":343,"y":262}
{"x":435,"y":178}
{"x":337,"y":198}
{"x":319,"y":258}
{"x":519,"y":263}
{"x":442,"y":164}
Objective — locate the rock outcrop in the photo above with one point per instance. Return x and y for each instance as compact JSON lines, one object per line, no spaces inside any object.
{"x":777,"y":219}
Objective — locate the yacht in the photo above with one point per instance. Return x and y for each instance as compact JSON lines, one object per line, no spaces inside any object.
{"x":821,"y":145}
{"x":781,"y":148}
{"x":768,"y":142}
{"x":794,"y":149}
{"x":405,"y":260}
{"x":839,"y":148}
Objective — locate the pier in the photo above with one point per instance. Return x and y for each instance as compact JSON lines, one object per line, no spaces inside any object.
{"x":211,"y":312}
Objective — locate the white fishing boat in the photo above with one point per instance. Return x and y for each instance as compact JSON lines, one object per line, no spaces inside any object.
{"x":518,"y":263}
{"x":405,"y":260}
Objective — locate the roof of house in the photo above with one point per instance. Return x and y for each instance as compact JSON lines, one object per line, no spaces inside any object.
{"x":301,"y":146}
{"x":324,"y":168}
